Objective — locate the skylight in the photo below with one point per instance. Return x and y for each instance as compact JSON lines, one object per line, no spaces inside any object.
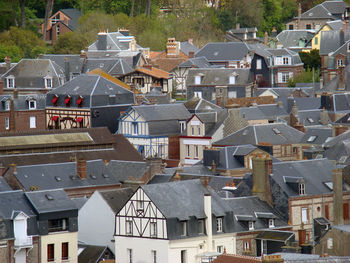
{"x":329,"y":185}
{"x":312,"y":138}
{"x":276,"y":131}
{"x":49,"y":197}
{"x":343,"y":159}
{"x":310,"y":120}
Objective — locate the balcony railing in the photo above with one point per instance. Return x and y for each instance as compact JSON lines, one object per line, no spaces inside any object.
{"x":24,"y":242}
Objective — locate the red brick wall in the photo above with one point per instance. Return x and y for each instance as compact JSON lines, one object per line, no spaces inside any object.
{"x":22,"y":120}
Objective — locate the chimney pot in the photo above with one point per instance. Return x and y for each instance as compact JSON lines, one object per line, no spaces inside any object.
{"x":81,"y":168}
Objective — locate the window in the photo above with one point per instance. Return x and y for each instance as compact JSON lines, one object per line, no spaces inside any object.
{"x":339,"y":62}
{"x":10,"y":82}
{"x":286,"y":61}
{"x":219,"y":224}
{"x":312,"y":138}
{"x":183,"y":256}
{"x":220,"y":249}
{"x":330,"y":243}
{"x":316,"y":40}
{"x":192,"y":130}
{"x":304,"y":216}
{"x":65,"y":251}
{"x":308,"y":26}
{"x":7,"y":105}
{"x":183,"y":228}
{"x":271,"y":222}
{"x":129,"y":255}
{"x":182,"y":126}
{"x":56,"y":225}
{"x":285,"y":77}
{"x":290,"y":27}
{"x":348,"y":47}
{"x":154,"y":256}
{"x":196,"y":151}
{"x":232,"y":94}
{"x":139,"y":205}
{"x":58,"y":30}
{"x":32,"y":122}
{"x":128,"y":227}
{"x":246,"y":245}
{"x":32,"y":104}
{"x":197,"y":80}
{"x":50,"y":252}
{"x":301,"y":189}
{"x":201,"y":226}
{"x":135,"y":127}
{"x":188,"y":151}
{"x":48,"y":82}
{"x":7,"y":123}
{"x":232,"y":80}
{"x":199,"y":130}
{"x":198,"y":94}
{"x":153,"y":229}
{"x":251,"y":225}
{"x":258,"y":64}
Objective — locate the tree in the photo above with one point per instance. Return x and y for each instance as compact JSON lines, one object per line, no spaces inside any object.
{"x":311,"y":59}
{"x":48,"y":13}
{"x":23,"y":13}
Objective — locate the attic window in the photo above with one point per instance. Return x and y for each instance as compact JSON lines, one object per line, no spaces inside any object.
{"x":310,"y":120}
{"x":276,"y":131}
{"x":105,"y":175}
{"x":251,"y":225}
{"x":49,"y":197}
{"x":93,"y":176}
{"x":32,"y":104}
{"x":197,"y":80}
{"x":48,"y":82}
{"x":312,"y":138}
{"x":271,"y":222}
{"x":302,"y":189}
{"x":343,"y":159}
{"x":10,"y":80}
{"x":216,"y":53}
{"x":58,"y":179}
{"x":80,"y":101}
{"x":329,"y":185}
{"x":232,"y":79}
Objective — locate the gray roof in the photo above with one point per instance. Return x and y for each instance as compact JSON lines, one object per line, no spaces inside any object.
{"x":22,"y":101}
{"x":220,"y":76}
{"x":74,"y":14}
{"x":286,"y":92}
{"x":50,"y":201}
{"x":331,"y":10}
{"x":260,"y":112}
{"x":14,"y":201}
{"x":286,"y":52}
{"x":224,"y":51}
{"x":275,"y":134}
{"x":338,"y":148}
{"x":290,"y":38}
{"x":212,"y":120}
{"x":321,"y":135}
{"x":4,"y":185}
{"x":172,"y":199}
{"x":198,"y":62}
{"x":336,"y":24}
{"x":343,"y":228}
{"x":113,"y":66}
{"x":123,"y":170}
{"x":196,"y":105}
{"x":75,"y":61}
{"x":331,"y":40}
{"x":310,"y":117}
{"x":163,"y":112}
{"x":303,"y":104}
{"x":186,"y":47}
{"x":117,"y":198}
{"x":64,"y":175}
{"x":94,"y":89}
{"x":93,"y":254}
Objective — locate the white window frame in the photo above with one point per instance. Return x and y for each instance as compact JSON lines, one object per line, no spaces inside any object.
{"x":7,"y":123}
{"x":153,"y":228}
{"x":251,"y":225}
{"x":232,"y":94}
{"x":48,"y":82}
{"x":232,"y":80}
{"x":220,"y":249}
{"x":196,"y":151}
{"x":34,"y":104}
{"x":182,"y":125}
{"x":259,"y":63}
{"x":139,"y":205}
{"x":32,"y":122}
{"x":188,"y":150}
{"x":219,"y":228}
{"x":246,"y":245}
{"x":304,"y":215}
{"x":197,"y":80}
{"x":183,"y":228}
{"x":339,"y":62}
{"x":271,"y":222}
{"x":7,"y":105}
{"x":129,"y":255}
{"x":154,"y":256}
{"x":10,"y":80}
{"x":198,"y":94}
{"x":301,"y":188}
{"x":329,"y":243}
{"x":285,"y":60}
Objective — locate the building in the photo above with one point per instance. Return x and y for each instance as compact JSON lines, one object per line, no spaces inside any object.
{"x":335,"y":241}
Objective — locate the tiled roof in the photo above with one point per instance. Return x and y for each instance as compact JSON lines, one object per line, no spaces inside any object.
{"x":231,"y":258}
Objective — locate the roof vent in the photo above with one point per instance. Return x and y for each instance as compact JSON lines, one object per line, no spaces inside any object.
{"x":49,"y":197}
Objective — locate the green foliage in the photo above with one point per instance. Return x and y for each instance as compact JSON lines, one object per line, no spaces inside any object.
{"x":11,"y":51}
{"x":311,"y":59}
{"x":70,"y":43}
{"x":307,"y":76}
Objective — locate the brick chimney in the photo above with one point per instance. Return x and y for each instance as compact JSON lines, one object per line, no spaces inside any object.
{"x":12,"y":116}
{"x":191,"y":54}
{"x":295,"y":110}
{"x":299,"y":16}
{"x":172,"y":47}
{"x":81,"y":168}
{"x":1,"y":87}
{"x":190,"y":40}
{"x":8,"y":62}
{"x":337,"y":175}
{"x":262,"y":168}
{"x":272,"y":258}
{"x":155,"y":166}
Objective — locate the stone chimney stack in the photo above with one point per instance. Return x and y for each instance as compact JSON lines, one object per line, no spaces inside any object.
{"x":132,"y":44}
{"x":66,"y":68}
{"x":341,"y":78}
{"x":266,"y":39}
{"x":81,"y":168}
{"x":299,"y":16}
{"x":102,"y":41}
{"x":8,"y":62}
{"x":191,"y":54}
{"x":324,"y":117}
{"x":208,"y":222}
{"x":272,"y":258}
{"x":295,"y":110}
{"x":172,"y":47}
{"x":262,"y":168}
{"x":337,"y":175}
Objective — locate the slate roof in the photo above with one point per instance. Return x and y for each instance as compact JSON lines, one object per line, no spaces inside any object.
{"x":296,"y":257}
{"x":303,"y":104}
{"x":155,"y":96}
{"x":4,"y":185}
{"x":285,"y":92}
{"x":338,"y":148}
{"x":14,"y":200}
{"x":219,"y":76}
{"x":212,"y":120}
{"x":331,"y":41}
{"x":95,"y":90}
{"x":187,"y":47}
{"x":64,"y":175}
{"x":21,"y":103}
{"x":195,"y":105}
{"x":310,"y":117}
{"x":262,"y":112}
{"x":172,"y":199}
{"x":75,"y":61}
{"x":336,"y":24}
{"x":123,"y":170}
{"x":74,"y":14}
{"x":343,"y":228}
{"x":117,"y":198}
{"x":326,"y":10}
{"x":273,"y":134}
{"x":50,"y":201}
{"x":113,"y":66}
{"x":321,"y":135}
{"x":224,"y":51}
{"x":290,"y":38}
{"x":228,"y":258}
{"x":198,"y":62}
{"x":163,"y":112}
{"x":286,"y":52}
{"x":340,"y":99}
{"x":92,"y":254}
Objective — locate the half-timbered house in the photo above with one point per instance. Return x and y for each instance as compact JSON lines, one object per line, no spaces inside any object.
{"x":148,"y":127}
{"x":87,"y":101}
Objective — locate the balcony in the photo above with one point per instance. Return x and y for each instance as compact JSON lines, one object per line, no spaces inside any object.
{"x":24,"y":242}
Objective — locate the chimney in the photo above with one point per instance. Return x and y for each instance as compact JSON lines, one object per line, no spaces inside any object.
{"x":321,"y":82}
{"x":213,"y":166}
{"x":1,"y":87}
{"x":324,"y":120}
{"x":132,"y":44}
{"x":12,"y":115}
{"x":177,"y":176}
{"x":341,"y":37}
{"x":172,"y":47}
{"x":295,"y":109}
{"x":266,"y":39}
{"x":66,"y":69}
{"x":208,"y":222}
{"x":102,"y":41}
{"x":341,"y":78}
{"x":8,"y":62}
{"x":298,"y":126}
{"x":191,"y":54}
{"x":262,"y":168}
{"x":337,"y":175}
{"x":345,"y":25}
{"x":325,"y":101}
{"x":299,"y":16}
{"x":272,"y":259}
{"x":124,"y":31}
{"x":155,"y":166}
{"x":15,"y":93}
{"x":81,"y":168}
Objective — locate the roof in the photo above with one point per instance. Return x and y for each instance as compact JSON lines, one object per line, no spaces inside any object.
{"x":21,"y":103}
{"x":331,"y":40}
{"x":113,"y":66}
{"x":163,"y":112}
{"x":105,"y":75}
{"x":336,"y":24}
{"x":195,"y":105}
{"x":92,"y":254}
{"x":186,"y":47}
{"x":198,"y":62}
{"x":14,"y":201}
{"x":224,"y":51}
{"x":154,"y":72}
{"x":75,"y":62}
{"x":261,"y":112}
{"x":286,"y":52}
{"x":286,"y":92}
{"x":343,"y":228}
{"x":338,"y":148}
{"x":267,"y":134}
{"x":230,"y":258}
{"x":117,"y":198}
{"x":327,"y":10}
{"x":282,"y":236}
{"x":321,"y":135}
{"x":74,"y":14}
{"x":123,"y":170}
{"x":290,"y":38}
{"x":4,"y":185}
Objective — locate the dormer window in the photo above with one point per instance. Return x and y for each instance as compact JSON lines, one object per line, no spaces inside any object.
{"x":7,"y":105}
{"x":251,"y":225}
{"x":48,"y":82}
{"x":302,"y":189}
{"x":67,"y":101}
{"x":10,"y":81}
{"x":232,"y":79}
{"x":285,"y":60}
{"x":271,"y":223}
{"x":79,"y":101}
{"x":348,"y":47}
{"x":54,"y":100}
{"x":339,"y":62}
{"x":197,"y":80}
{"x":183,"y":228}
{"x":32,"y":104}
{"x":219,"y":224}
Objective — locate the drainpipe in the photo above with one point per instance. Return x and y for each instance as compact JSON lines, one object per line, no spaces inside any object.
{"x":208,"y":222}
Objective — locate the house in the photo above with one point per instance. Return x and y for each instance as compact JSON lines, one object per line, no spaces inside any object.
{"x":245,"y":34}
{"x":61,"y":22}
{"x":296,"y":40}
{"x":318,"y":16}
{"x":95,"y":254}
{"x":33,"y":76}
{"x":330,"y":25}
{"x":230,"y":258}
{"x":61,"y":146}
{"x":160,"y":222}
{"x":148,"y":127}
{"x":317,"y":135}
{"x":278,"y":139}
{"x":20,"y":113}
{"x":144,"y":79}
{"x":96,"y":218}
{"x":38,"y":227}
{"x":336,"y":149}
{"x":285,"y":92}
{"x":87,"y":101}
{"x":219,"y":84}
{"x":335,"y":241}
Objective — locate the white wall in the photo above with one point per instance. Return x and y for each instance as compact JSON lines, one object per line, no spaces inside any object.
{"x":96,"y":222}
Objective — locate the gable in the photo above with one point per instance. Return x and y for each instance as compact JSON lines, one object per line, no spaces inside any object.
{"x":133,"y":116}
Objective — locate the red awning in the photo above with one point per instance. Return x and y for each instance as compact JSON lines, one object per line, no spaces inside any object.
{"x":67,"y":100}
{"x":54,"y":100}
{"x":79,"y":101}
{"x":54,"y":118}
{"x":79,"y":119}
